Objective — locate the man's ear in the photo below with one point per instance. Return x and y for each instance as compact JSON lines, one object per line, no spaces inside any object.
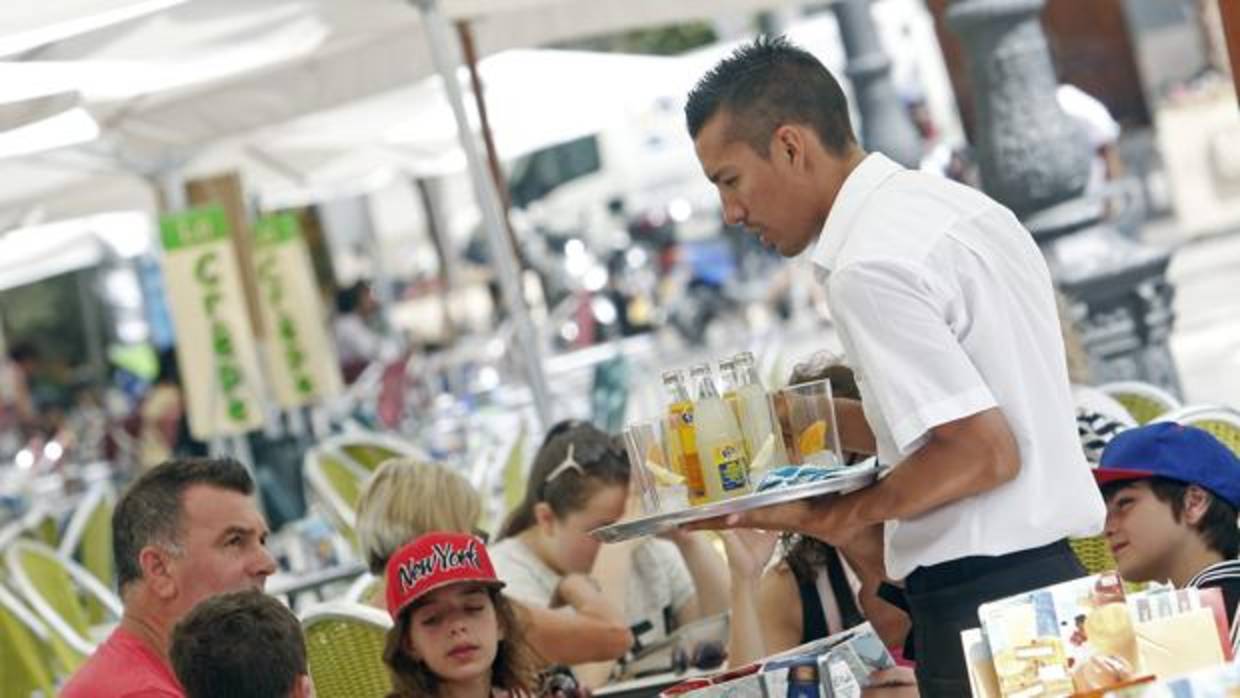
{"x":303,"y":687}
{"x":156,"y":564}
{"x":788,"y":144}
{"x":1196,"y":503}
{"x":544,"y":517}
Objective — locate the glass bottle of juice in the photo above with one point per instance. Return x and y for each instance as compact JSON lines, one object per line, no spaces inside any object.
{"x":721,"y":446}
{"x":731,"y":381}
{"x":682,"y":436}
{"x":763,"y":439}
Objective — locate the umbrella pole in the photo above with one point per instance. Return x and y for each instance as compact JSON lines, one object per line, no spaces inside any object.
{"x":503,"y":253}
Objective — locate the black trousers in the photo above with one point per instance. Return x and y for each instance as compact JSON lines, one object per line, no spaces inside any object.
{"x":943,"y":600}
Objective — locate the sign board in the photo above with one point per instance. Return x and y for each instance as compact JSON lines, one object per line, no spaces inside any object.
{"x":301,"y":357}
{"x":215,"y":347}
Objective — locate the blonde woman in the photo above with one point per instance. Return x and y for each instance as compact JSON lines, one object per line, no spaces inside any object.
{"x":408,"y":498}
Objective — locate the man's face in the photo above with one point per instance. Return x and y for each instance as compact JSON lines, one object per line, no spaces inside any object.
{"x":223,"y":541}
{"x":774,"y":197}
{"x":1143,"y":534}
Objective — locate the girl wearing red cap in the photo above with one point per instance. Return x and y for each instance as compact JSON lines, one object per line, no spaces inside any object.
{"x":454,"y":634}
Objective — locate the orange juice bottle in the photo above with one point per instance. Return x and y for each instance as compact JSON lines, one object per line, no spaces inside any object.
{"x":682,"y":437}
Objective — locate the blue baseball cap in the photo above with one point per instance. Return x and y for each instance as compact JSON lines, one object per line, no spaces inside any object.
{"x":1173,"y":451}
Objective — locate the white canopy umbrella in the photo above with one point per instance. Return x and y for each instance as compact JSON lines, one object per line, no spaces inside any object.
{"x":167,"y":85}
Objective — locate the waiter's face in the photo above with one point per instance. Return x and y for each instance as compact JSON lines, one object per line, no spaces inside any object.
{"x":774,"y":195}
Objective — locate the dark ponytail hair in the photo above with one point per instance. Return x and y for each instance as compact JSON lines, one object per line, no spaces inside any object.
{"x":603,"y":463}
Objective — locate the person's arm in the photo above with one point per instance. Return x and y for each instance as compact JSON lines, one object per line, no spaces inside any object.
{"x":748,"y":554}
{"x":864,"y":554}
{"x":779,"y":602}
{"x":745,"y":639}
{"x":709,"y":573}
{"x":856,"y":436}
{"x":612,"y":569}
{"x":592,"y":631}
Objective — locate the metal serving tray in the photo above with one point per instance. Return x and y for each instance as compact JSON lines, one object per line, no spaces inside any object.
{"x":849,"y":478}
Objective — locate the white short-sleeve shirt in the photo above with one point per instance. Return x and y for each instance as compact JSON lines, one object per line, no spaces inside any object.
{"x":659,"y":583}
{"x":945,"y":308}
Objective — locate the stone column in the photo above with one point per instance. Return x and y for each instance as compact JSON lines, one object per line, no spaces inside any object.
{"x":885,"y":123}
{"x":1035,"y":160}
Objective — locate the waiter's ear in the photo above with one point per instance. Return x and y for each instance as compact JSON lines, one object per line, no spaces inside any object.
{"x":789,"y":145}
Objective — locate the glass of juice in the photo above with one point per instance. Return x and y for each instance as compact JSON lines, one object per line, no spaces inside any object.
{"x":807,"y":420}
{"x":654,"y":470}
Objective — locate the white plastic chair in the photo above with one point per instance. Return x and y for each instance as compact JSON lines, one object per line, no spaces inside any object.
{"x":344,"y":650}
{"x":1143,"y":401}
{"x":1222,"y":422}
{"x":56,"y":588}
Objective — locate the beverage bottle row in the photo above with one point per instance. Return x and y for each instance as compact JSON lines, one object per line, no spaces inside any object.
{"x":721,"y":443}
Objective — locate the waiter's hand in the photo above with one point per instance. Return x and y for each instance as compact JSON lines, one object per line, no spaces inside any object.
{"x":830,"y":518}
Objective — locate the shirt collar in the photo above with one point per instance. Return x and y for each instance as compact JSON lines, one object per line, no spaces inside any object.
{"x":864,"y":179}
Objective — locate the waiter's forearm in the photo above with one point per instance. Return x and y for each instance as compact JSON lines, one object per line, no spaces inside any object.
{"x":961,"y":459}
{"x":855,"y":433}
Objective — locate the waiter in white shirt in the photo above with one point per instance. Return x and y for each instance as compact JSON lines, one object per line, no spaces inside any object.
{"x":946,"y":312}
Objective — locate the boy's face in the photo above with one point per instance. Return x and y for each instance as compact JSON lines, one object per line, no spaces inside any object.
{"x":1143,"y":534}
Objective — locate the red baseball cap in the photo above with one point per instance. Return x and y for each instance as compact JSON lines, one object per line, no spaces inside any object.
{"x":436,"y":560}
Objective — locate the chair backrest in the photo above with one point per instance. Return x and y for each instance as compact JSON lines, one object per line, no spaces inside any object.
{"x":514,"y":471}
{"x":41,"y":525}
{"x":23,"y":650}
{"x":361,"y":589}
{"x":1144,"y":401}
{"x":1222,"y":422}
{"x":57,"y":589}
{"x":368,"y":449}
{"x":344,"y":649}
{"x":88,"y":536}
{"x":337,"y":484}
{"x":1094,"y":554}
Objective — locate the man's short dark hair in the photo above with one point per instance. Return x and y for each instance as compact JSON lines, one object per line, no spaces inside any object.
{"x":240,"y":645}
{"x":766,"y":84}
{"x":150,"y":511}
{"x":1218,"y":528}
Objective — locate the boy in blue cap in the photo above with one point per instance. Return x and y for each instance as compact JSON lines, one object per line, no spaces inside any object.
{"x":1172,"y":492}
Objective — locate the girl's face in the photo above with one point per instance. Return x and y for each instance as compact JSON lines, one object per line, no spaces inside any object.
{"x":568,"y":539}
{"x":455,"y":631}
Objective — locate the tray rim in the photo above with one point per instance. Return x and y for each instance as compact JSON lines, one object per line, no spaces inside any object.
{"x":652,"y":524}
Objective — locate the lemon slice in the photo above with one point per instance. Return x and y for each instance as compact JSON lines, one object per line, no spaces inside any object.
{"x":662,"y":476}
{"x":761,"y":460}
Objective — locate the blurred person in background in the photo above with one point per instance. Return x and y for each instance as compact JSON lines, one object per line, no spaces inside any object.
{"x":580,"y":481}
{"x":163,"y":428}
{"x":241,"y":645}
{"x":18,"y":416}
{"x":359,"y":339}
{"x":407,"y":498}
{"x":1101,"y":132}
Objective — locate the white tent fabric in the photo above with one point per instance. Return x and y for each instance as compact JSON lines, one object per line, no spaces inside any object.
{"x":166,"y":85}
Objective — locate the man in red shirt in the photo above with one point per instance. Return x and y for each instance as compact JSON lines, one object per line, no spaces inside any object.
{"x":186,"y":530}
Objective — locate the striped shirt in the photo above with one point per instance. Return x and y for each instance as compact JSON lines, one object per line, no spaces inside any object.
{"x":1225,"y":576}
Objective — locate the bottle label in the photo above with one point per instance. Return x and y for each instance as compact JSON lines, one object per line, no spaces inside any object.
{"x":729,"y":458}
{"x":690,"y":462}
